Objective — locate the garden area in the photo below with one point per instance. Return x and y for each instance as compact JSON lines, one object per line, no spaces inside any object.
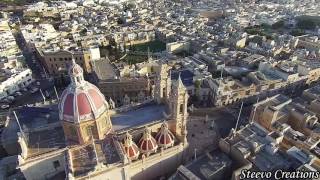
{"x":303,"y":24}
{"x":134,"y":53}
{"x":261,"y":30}
{"x":154,"y":46}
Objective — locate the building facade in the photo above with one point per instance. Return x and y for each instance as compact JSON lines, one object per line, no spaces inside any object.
{"x":57,"y":62}
{"x":98,"y":141}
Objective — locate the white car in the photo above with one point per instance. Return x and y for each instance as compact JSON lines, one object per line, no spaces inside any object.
{"x":5,"y":106}
{"x":33,"y":90}
{"x":11,"y":98}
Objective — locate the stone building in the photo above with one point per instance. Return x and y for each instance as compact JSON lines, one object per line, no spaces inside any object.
{"x":293,"y":118}
{"x":97,"y":141}
{"x":255,"y":148}
{"x":57,"y":62}
{"x":113,"y":86}
{"x":117,"y":89}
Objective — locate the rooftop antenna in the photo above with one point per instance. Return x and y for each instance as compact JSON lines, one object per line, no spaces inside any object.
{"x":99,"y":69}
{"x":44,"y":98}
{"x":16,"y":117}
{"x":238,"y":117}
{"x":72,"y":57}
{"x":45,"y":72}
{"x":149,"y":56}
{"x":56,"y":92}
{"x":221,"y":73}
{"x":254,"y":111}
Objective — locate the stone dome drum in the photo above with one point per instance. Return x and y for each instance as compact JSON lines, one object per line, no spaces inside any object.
{"x":81,"y":100}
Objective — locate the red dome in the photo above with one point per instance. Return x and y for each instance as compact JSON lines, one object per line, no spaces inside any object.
{"x":147,"y":143}
{"x":81,"y":100}
{"x":130,"y":148}
{"x":164,"y":137}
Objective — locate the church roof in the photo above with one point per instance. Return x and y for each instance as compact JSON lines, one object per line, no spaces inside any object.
{"x":142,"y":115}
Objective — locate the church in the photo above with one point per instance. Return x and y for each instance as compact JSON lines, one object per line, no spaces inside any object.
{"x":145,"y":140}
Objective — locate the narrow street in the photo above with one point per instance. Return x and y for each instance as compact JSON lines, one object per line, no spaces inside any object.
{"x":42,"y":80}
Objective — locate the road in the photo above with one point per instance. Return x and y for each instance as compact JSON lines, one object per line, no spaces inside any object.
{"x":42,"y":81}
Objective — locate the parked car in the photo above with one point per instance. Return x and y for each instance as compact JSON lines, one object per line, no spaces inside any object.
{"x":4,"y":106}
{"x":33,"y":90}
{"x":11,"y":98}
{"x":47,"y":94}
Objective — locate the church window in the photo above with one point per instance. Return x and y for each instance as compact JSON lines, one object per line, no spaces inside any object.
{"x":89,"y":130}
{"x":164,"y":92}
{"x":73,"y":131}
{"x":181,"y":108}
{"x":56,"y":164}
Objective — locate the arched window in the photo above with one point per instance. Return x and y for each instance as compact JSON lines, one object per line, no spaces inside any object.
{"x":89,"y":130}
{"x":73,"y":131}
{"x":181,"y":109}
{"x":164,"y":92}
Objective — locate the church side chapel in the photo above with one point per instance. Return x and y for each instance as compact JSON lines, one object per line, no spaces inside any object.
{"x":144,"y":142}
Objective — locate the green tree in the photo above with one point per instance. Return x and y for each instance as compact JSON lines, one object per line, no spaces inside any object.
{"x":278,"y":25}
{"x":297,"y":32}
{"x":306,"y":24}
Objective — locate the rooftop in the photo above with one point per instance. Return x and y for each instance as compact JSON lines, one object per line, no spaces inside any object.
{"x":41,"y":129}
{"x":139,"y":116}
{"x":104,"y":69}
{"x":213,"y":165}
{"x":186,"y":76}
{"x":47,"y":140}
{"x":85,"y":157}
{"x":207,"y":166}
{"x":265,"y":161}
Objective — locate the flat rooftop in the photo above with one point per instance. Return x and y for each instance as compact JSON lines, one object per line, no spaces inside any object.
{"x":314,"y":90}
{"x":41,"y":128}
{"x":140,"y":115}
{"x":265,"y":161}
{"x":85,"y":158}
{"x":47,"y":140}
{"x":210,"y":165}
{"x":186,"y":76}
{"x":30,"y":118}
{"x":34,"y":117}
{"x":104,"y":69}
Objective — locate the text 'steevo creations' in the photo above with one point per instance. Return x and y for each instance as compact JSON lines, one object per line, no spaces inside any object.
{"x":279,"y":174}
